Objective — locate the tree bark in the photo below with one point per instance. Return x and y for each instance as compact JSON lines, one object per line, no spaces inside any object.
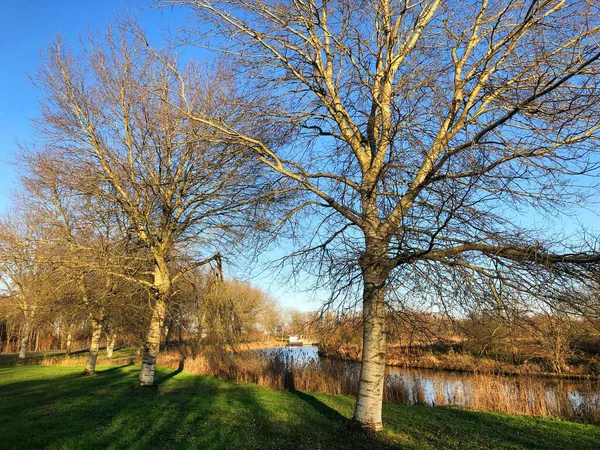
{"x":110,"y":345}
{"x":90,"y":366}
{"x":69,"y":342}
{"x":162,"y":292}
{"x":25,"y":341}
{"x":168,"y":332}
{"x":37,"y":341}
{"x":152,"y":345}
{"x":375,"y":270}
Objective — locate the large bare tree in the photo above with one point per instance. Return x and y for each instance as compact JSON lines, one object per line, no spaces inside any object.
{"x":109,"y":117}
{"x":425,"y":129}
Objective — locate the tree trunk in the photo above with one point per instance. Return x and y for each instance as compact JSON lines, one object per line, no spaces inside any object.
{"x":168,"y":331}
{"x":69,"y":342}
{"x":25,"y":341}
{"x":90,"y":367}
{"x":110,"y":345}
{"x":162,"y":292}
{"x":152,"y":345}
{"x":375,"y":270}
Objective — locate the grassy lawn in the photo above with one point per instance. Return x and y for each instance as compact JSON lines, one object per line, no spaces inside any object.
{"x":55,"y":407}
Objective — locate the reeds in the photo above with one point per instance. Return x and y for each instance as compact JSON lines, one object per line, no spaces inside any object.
{"x":511,"y":395}
{"x":283,"y":370}
{"x":80,"y":360}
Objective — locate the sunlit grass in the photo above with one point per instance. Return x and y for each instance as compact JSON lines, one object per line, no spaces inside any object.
{"x":55,"y":407}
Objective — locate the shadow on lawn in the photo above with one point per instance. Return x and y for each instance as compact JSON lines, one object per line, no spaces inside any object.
{"x":190,"y":411}
{"x":177,"y":371}
{"x":320,"y":407}
{"x":452,"y":427}
{"x":112,"y":369}
{"x":11,"y":359}
{"x":184,"y":412}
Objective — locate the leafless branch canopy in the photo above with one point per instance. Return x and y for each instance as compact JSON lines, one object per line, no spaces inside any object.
{"x":430,"y":128}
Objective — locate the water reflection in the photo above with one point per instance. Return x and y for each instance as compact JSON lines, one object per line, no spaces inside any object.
{"x":517,"y":394}
{"x":297,"y":354}
{"x":455,"y":387}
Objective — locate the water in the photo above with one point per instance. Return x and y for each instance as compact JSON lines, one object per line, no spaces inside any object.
{"x":432,"y":387}
{"x":300,"y":354}
{"x":456,"y":386}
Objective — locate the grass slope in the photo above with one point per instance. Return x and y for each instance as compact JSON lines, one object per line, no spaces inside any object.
{"x":55,"y":407}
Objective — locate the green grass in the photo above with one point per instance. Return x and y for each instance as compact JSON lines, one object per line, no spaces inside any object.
{"x":10,"y":359}
{"x":55,"y":407}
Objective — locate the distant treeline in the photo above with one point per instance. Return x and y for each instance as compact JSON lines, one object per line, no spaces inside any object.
{"x":486,"y":342}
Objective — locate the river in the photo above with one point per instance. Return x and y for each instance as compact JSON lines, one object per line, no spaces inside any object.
{"x":569,"y":398}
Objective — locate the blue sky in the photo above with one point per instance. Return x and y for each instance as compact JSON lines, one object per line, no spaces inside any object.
{"x":26,"y":28}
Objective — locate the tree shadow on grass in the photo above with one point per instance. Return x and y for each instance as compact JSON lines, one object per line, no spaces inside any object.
{"x":320,"y":407}
{"x":204,"y":412}
{"x":170,"y":375}
{"x":338,"y":423}
{"x":112,"y":369}
{"x":549,"y":433}
{"x":12,"y":359}
{"x":341,"y":426}
{"x":453,"y":427}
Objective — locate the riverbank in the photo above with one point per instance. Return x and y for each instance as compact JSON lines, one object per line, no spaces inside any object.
{"x":453,"y":361}
{"x":55,"y":407}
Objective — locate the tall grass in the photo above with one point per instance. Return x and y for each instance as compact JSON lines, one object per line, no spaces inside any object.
{"x":121,"y":356}
{"x":282,"y":370}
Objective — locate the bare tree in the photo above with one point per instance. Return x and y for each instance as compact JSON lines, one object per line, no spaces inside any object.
{"x":24,"y":270}
{"x":424,"y":129}
{"x":109,"y":114}
{"x":88,"y":241}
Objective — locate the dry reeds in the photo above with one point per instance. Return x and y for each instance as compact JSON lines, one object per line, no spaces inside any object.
{"x":282,"y":370}
{"x":80,"y":360}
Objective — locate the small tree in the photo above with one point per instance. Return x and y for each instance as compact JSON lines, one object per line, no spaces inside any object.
{"x":89,"y":242}
{"x":25,"y":272}
{"x":554,"y":333}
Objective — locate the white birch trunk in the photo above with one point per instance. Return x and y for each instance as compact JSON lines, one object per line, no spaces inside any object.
{"x":367,"y":411}
{"x":110,"y":345}
{"x":69,"y":342}
{"x":162,"y":291}
{"x":25,"y":341}
{"x":90,"y":366}
{"x":152,"y":345}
